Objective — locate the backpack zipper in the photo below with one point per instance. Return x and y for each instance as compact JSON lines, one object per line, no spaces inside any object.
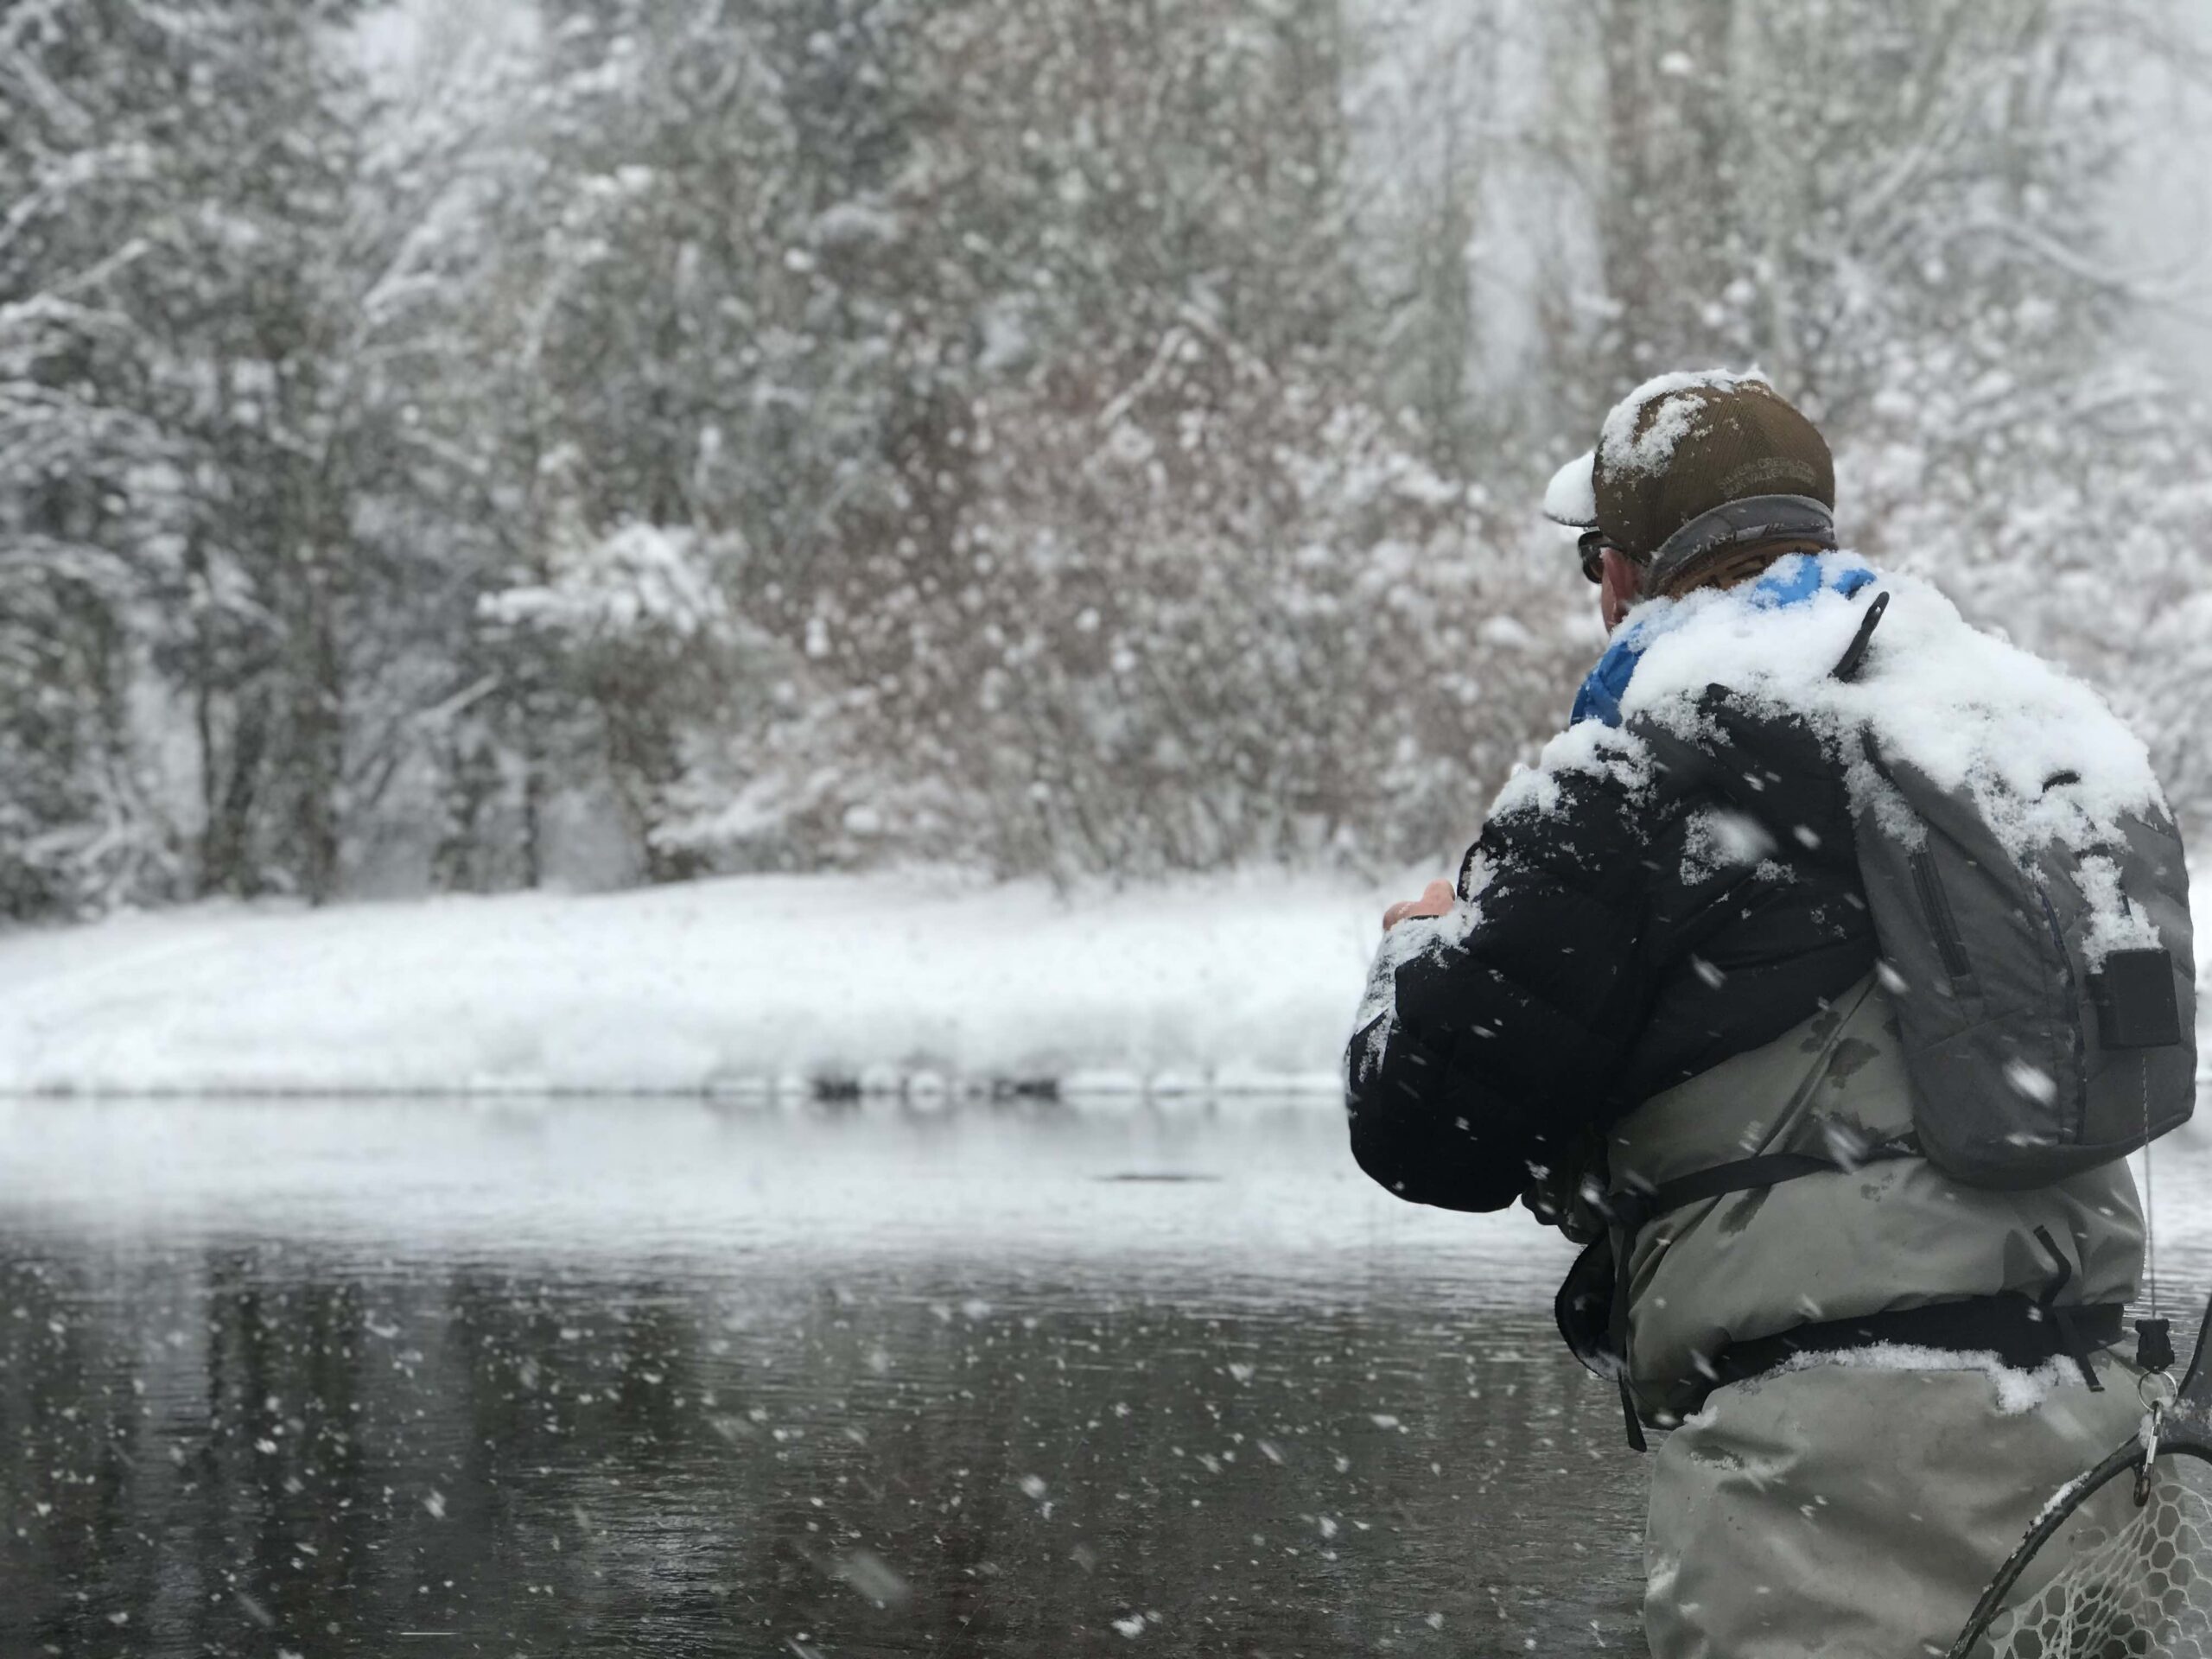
{"x":2073,"y":1012}
{"x":1937,"y":904}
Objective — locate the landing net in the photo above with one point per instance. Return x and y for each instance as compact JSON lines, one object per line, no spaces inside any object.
{"x":2119,"y":1565}
{"x":2137,"y":1583}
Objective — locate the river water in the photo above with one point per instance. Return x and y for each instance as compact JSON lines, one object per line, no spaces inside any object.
{"x":641,"y":1377}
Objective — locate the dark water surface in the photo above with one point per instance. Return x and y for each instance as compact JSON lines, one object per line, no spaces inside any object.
{"x":351,"y":1379}
{"x":639,"y":1378}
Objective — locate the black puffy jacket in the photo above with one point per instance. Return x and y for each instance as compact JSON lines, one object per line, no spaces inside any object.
{"x":1638,"y":924}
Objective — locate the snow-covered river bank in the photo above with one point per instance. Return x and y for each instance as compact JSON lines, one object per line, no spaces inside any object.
{"x":765,"y":984}
{"x":785,"y":987}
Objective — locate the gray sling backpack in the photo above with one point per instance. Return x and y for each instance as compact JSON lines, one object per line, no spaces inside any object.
{"x":2033,"y":1055}
{"x":2034,"y":1052}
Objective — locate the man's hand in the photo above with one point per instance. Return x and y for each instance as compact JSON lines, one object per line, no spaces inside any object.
{"x":1436,"y":900}
{"x":1569,"y":1195}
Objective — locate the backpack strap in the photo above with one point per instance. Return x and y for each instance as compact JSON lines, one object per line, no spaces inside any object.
{"x":1854,"y":654}
{"x":1687,"y":763}
{"x":1747,"y":1175}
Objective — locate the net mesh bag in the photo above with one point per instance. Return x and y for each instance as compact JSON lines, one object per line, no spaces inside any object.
{"x":2140,"y":1589}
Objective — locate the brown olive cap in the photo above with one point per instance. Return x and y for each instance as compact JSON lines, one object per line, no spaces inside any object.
{"x":1685,"y":444}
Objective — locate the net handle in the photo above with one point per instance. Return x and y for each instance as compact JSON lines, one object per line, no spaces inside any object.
{"x":2187,"y":1432}
{"x":2055,"y":1516}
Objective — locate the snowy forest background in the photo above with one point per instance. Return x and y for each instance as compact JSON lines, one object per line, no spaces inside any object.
{"x":474,"y":446}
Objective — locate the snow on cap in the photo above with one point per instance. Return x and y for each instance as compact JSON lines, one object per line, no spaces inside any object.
{"x":1683,"y":445}
{"x":1572,"y":498}
{"x":1627,"y":450}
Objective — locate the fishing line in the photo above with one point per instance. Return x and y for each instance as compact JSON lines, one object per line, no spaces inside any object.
{"x":2150,"y":1202}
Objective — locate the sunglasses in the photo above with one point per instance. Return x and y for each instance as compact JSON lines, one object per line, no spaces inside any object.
{"x":1592,"y":544}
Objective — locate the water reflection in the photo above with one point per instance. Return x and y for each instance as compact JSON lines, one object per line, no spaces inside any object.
{"x":936,"y":1389}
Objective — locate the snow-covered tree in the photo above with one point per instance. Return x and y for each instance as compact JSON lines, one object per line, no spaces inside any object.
{"x":634,"y":627}
{"x":1020,"y":432}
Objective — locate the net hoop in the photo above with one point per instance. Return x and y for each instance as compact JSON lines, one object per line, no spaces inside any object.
{"x":2127,"y":1459}
{"x":2183,"y":1429}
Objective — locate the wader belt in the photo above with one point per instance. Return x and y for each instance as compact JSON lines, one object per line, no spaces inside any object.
{"x":2009,"y":1324}
{"x":2021,"y":1331}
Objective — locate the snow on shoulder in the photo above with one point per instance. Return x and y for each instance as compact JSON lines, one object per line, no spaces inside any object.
{"x":1589,"y":747}
{"x":2043,"y":760}
{"x":1973,"y":712}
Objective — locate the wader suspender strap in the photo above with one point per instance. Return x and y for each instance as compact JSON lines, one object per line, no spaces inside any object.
{"x":2072,"y":1342}
{"x":1627,"y":1212}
